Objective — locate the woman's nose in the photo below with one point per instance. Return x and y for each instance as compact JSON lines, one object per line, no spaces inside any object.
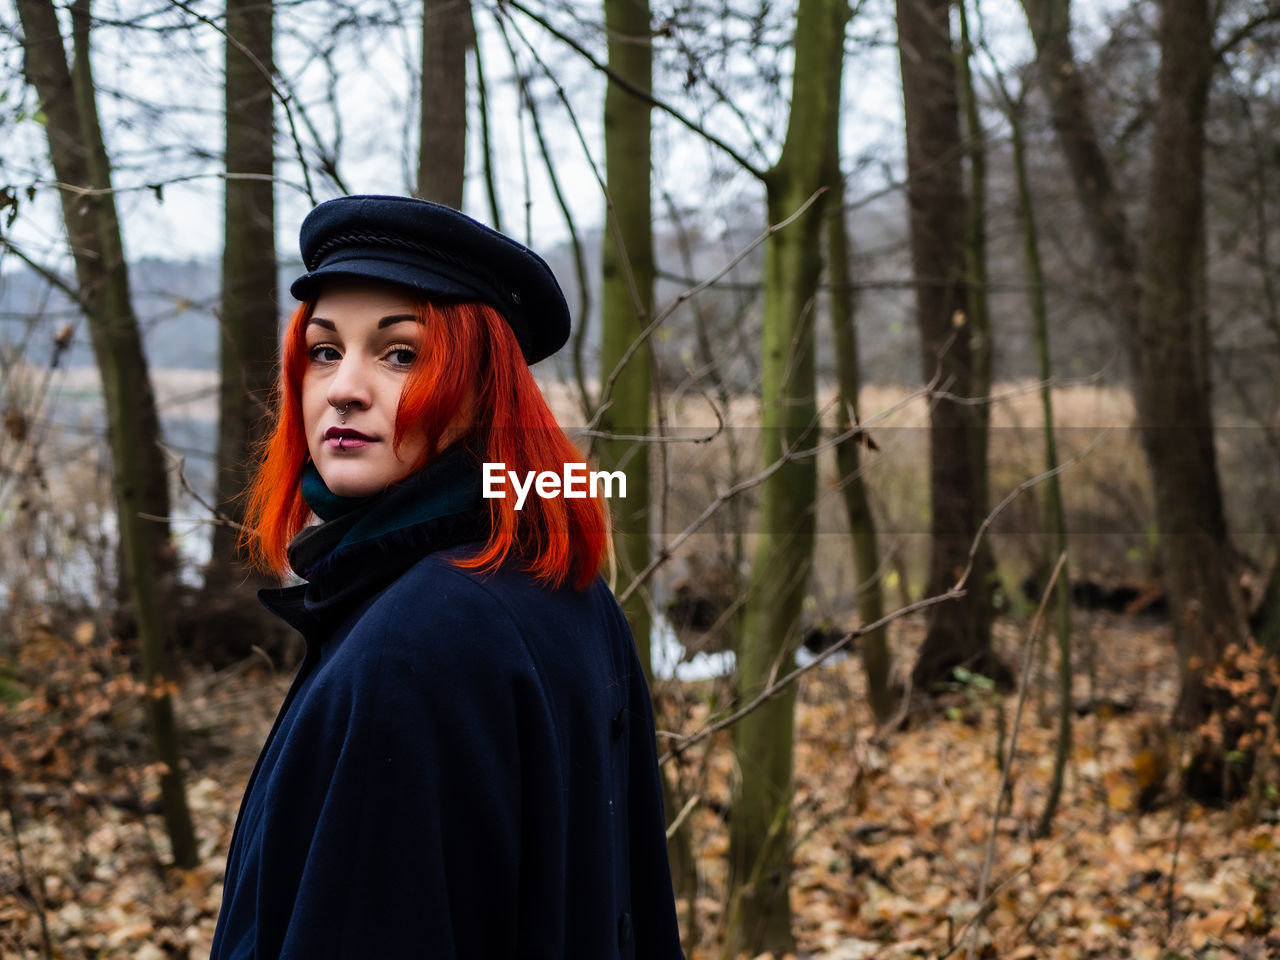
{"x":350,"y":383}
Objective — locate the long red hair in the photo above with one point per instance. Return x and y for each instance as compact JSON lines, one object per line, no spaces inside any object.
{"x":467,"y":353}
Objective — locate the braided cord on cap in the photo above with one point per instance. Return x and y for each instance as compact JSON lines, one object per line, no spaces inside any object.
{"x":354,"y":237}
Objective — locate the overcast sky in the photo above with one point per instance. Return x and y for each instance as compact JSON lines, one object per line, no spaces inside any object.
{"x":161,"y":104}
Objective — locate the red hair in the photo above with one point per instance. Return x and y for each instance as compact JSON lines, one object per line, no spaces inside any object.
{"x":468,"y":354}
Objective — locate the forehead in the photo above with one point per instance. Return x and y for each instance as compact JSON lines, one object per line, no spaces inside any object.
{"x":356,"y":301}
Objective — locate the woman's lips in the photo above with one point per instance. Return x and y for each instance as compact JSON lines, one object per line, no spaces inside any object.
{"x":342,"y":438}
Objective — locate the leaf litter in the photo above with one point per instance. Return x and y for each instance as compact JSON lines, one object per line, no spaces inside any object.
{"x":889,"y":835}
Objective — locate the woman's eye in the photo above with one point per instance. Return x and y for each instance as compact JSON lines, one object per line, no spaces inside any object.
{"x":402,"y":356}
{"x":323,"y":353}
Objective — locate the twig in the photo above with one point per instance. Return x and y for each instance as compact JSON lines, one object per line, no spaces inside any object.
{"x":635,"y":91}
{"x":37,"y":894}
{"x":995,"y":892}
{"x":682,"y":815}
{"x":1170,"y":898}
{"x":686,"y":741}
{"x":667,"y":550}
{"x":638,"y":438}
{"x":693,"y":291}
{"x":178,"y":463}
{"x":47,"y":275}
{"x":1006,"y":765}
{"x":268,"y":76}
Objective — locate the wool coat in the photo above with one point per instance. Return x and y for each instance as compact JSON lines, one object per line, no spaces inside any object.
{"x":464,"y":767}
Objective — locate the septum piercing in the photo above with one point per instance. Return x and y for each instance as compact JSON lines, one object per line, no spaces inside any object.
{"x":342,"y":412}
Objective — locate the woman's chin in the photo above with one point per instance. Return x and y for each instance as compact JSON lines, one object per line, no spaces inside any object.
{"x":350,"y":480}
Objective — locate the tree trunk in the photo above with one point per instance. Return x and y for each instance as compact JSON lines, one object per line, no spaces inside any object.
{"x":1172,"y":362}
{"x":1161,"y":315}
{"x":979,"y":325}
{"x":959,"y":632}
{"x":249,"y":320}
{"x":759,"y":915}
{"x":627,"y":307}
{"x":138,"y":471}
{"x":1055,"y":523}
{"x":627,"y":298}
{"x":876,"y":659}
{"x":447,"y":33}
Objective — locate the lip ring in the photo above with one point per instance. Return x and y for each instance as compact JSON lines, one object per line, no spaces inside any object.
{"x":347,"y":433}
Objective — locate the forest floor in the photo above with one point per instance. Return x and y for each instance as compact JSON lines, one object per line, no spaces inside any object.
{"x":891,"y":829}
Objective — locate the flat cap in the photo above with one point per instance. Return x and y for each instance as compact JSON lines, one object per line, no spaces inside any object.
{"x":440,"y":253}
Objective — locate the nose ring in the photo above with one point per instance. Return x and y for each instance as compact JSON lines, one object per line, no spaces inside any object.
{"x":342,"y":412}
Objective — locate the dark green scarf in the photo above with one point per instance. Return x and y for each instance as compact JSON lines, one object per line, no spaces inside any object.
{"x":363,"y":543}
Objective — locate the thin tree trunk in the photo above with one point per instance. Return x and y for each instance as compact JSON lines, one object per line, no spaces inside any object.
{"x":138,"y":471}
{"x":627,"y":297}
{"x":1054,"y":516}
{"x":249,"y":318}
{"x":759,"y":915}
{"x":980,"y":335}
{"x":958,"y":633}
{"x":876,"y":661}
{"x":447,"y":33}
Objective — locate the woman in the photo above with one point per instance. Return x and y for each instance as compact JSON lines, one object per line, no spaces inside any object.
{"x":465,"y":764}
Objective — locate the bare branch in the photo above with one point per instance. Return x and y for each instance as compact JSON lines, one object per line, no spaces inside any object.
{"x":47,"y":275}
{"x":693,"y":291}
{"x":1245,"y":30}
{"x":635,"y":91}
{"x":1033,"y":633}
{"x":269,"y":77}
{"x":957,"y":590}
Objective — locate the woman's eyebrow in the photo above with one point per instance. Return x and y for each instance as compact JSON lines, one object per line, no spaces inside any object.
{"x":320,"y":322}
{"x":396,"y":318}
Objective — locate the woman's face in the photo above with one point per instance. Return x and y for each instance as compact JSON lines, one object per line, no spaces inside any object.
{"x":361,"y":343}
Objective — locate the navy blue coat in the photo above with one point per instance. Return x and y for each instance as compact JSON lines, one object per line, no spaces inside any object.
{"x":464,"y":767}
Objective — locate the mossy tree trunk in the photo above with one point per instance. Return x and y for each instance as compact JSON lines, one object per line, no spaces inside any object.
{"x":627,"y":298}
{"x":249,"y":317}
{"x":759,"y":916}
{"x":139,"y":476}
{"x":626,"y":381}
{"x":876,"y":660}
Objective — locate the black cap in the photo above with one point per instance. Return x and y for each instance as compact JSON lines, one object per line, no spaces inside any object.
{"x":440,"y":253}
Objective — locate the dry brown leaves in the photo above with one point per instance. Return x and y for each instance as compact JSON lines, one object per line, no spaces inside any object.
{"x":890,"y":835}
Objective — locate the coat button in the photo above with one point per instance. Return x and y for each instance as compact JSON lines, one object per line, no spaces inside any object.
{"x":624,"y":929}
{"x":618,"y":724}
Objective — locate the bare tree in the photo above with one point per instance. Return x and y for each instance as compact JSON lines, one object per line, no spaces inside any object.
{"x":249,"y":316}
{"x":759,"y":916}
{"x":960,"y":633}
{"x":627,"y":295}
{"x":1158,"y":305}
{"x":447,"y":33}
{"x":79,"y":157}
{"x":876,"y":659}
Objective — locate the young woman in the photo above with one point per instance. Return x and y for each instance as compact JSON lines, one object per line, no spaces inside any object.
{"x":465,"y":764}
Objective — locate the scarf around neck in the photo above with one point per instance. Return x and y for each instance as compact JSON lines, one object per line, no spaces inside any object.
{"x":365,"y":542}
